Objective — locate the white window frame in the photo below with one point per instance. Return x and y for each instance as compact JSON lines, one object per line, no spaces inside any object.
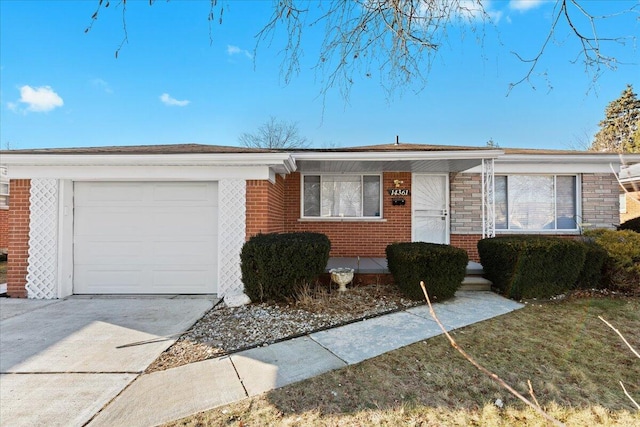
{"x":341,"y":218}
{"x":578,"y":202}
{"x":623,"y":203}
{"x":4,"y":181}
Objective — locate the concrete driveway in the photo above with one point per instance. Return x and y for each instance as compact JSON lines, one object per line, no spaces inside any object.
{"x":61,"y":361}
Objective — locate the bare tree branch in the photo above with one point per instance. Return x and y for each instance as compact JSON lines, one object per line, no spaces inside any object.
{"x":486,"y":371}
{"x":275,"y":134}
{"x":590,"y":43}
{"x":633,"y":350}
{"x":106,"y":4}
{"x":398,"y":40}
{"x":211,"y":17}
{"x":124,"y":26}
{"x":532,"y":394}
{"x":628,"y":395}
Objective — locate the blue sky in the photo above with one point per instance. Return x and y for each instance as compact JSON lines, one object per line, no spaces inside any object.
{"x":62,"y":87}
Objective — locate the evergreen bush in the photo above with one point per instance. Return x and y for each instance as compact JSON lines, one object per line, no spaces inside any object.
{"x":632,"y":224}
{"x":591,"y":275}
{"x":622,"y":266}
{"x":441,"y":267}
{"x":525,"y":266}
{"x":274,"y":266}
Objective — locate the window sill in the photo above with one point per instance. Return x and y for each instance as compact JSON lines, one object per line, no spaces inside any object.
{"x":335,"y":219}
{"x":550,"y":232}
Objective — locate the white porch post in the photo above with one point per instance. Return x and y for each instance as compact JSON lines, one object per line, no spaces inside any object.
{"x":488,"y":199}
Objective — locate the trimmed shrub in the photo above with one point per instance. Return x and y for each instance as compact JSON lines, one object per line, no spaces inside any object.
{"x":591,"y":275}
{"x":632,"y":224}
{"x":622,"y":267}
{"x":441,"y":267}
{"x":527,"y":266}
{"x":274,"y":266}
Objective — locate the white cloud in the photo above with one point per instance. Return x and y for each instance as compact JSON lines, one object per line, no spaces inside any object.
{"x":472,"y":10}
{"x":235,"y":50}
{"x":524,"y":5}
{"x":495,"y":15}
{"x":102,"y":85}
{"x":172,"y":102}
{"x":39,"y":100}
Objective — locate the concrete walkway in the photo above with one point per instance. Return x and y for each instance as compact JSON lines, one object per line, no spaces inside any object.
{"x":164,"y":396}
{"x":61,"y":361}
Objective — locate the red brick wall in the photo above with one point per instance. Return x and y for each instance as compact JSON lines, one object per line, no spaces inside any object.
{"x":4,"y":230}
{"x":351,"y":238}
{"x":18,"y":237}
{"x":468,"y":242}
{"x":265,"y":207}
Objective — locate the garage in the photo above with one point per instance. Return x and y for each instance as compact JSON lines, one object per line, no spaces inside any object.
{"x":145,"y":237}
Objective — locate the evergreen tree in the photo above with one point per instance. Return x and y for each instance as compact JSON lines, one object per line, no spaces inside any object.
{"x":620,"y":130}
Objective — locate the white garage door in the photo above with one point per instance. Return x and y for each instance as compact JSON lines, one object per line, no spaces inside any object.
{"x":145,"y":237}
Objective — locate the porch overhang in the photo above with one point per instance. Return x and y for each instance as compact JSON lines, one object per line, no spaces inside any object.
{"x":385,"y":161}
{"x":125,"y":166}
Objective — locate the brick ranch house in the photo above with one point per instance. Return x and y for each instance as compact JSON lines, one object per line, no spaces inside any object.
{"x":173,"y":219}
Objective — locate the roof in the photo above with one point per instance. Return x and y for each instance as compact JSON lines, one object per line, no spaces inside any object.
{"x":537,"y":151}
{"x":421,"y":158}
{"x":146,"y":149}
{"x":630,"y":173}
{"x":393,"y":148}
{"x":222,"y":149}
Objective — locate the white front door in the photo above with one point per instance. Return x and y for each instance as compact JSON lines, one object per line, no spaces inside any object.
{"x":430,"y":201}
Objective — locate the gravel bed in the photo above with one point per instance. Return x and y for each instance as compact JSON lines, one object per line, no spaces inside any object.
{"x":225,"y":330}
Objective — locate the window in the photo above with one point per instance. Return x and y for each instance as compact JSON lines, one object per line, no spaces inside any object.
{"x":536,"y":202}
{"x":341,"y":196}
{"x":4,"y":189}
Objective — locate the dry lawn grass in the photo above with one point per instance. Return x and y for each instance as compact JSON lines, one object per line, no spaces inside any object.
{"x":573,"y":360}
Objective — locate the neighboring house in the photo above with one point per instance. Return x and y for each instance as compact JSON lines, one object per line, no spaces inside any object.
{"x":630,"y":197}
{"x":4,"y":211}
{"x":173,"y":219}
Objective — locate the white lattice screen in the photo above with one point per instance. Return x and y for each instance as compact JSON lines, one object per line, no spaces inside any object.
{"x":43,"y":239}
{"x":231,"y":237}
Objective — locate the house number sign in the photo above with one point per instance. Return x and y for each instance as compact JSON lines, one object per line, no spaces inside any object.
{"x":399,"y":192}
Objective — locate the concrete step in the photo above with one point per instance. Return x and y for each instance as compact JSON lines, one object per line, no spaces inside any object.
{"x":475,"y":283}
{"x":474,"y":269}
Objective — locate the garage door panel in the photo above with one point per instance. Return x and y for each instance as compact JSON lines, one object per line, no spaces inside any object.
{"x":146,"y":221}
{"x":169,"y":278}
{"x":178,"y":193}
{"x":192,"y":226}
{"x":97,"y":193}
{"x":162,"y":238}
{"x":122,"y":278}
{"x":108,"y":253}
{"x":185,"y":252}
{"x":98,"y":223}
